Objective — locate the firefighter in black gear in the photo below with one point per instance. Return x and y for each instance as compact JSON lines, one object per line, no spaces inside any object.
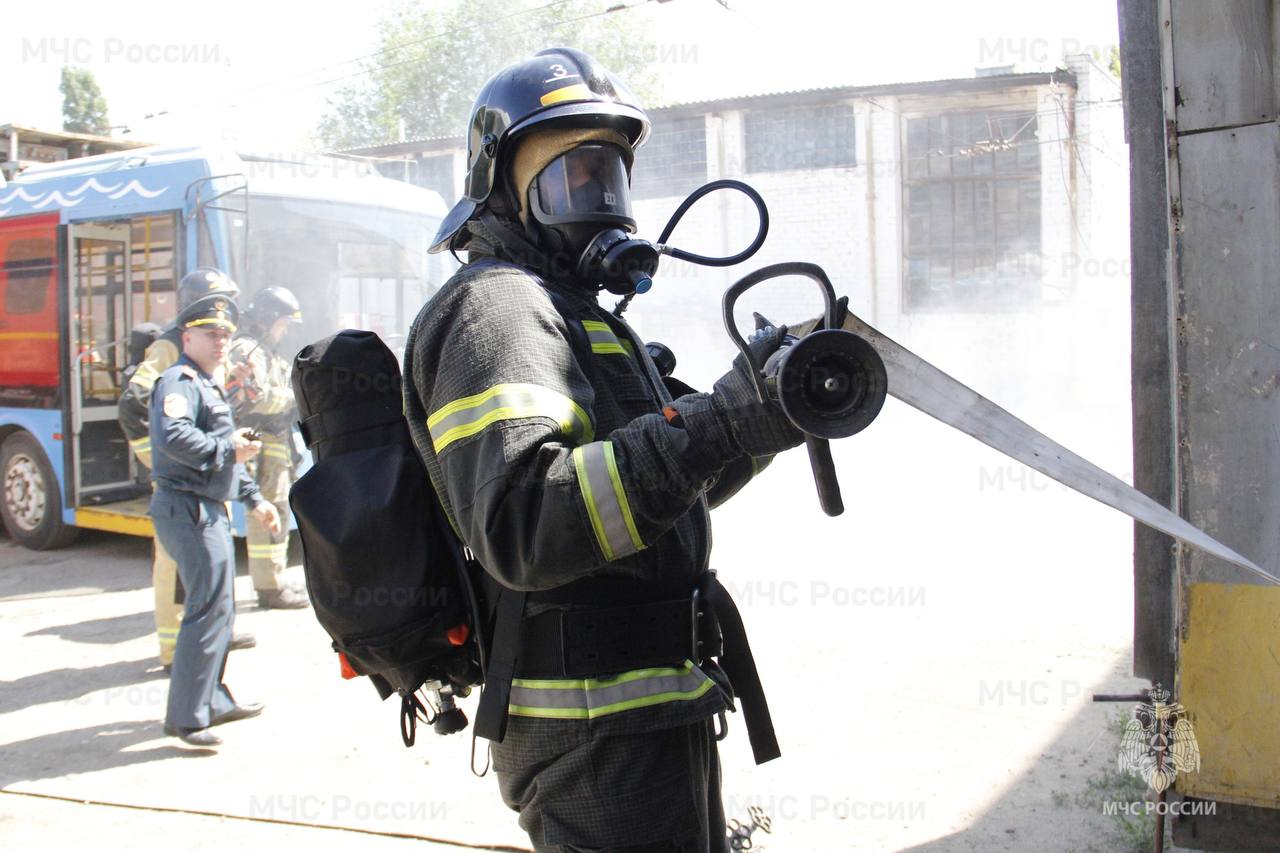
{"x":575,"y":478}
{"x":263,"y":400}
{"x":198,"y":451}
{"x":135,"y":402}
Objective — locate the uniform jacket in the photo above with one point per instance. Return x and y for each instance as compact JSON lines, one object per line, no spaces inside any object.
{"x":135,"y":402}
{"x":552,"y":464}
{"x":191,"y":426}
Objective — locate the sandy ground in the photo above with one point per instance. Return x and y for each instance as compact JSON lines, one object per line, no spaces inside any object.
{"x":929,"y":657}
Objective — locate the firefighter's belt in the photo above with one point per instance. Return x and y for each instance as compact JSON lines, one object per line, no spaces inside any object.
{"x":605,"y":640}
{"x":586,"y":643}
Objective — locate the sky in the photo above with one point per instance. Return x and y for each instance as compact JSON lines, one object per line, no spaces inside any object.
{"x":260,"y":73}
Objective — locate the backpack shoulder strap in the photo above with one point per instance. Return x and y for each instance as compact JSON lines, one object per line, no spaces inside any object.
{"x":578,"y":339}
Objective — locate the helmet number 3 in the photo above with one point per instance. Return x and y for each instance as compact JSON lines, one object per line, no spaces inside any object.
{"x":558,"y":72}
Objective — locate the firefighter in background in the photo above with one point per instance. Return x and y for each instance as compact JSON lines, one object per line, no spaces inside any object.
{"x":580,"y":485}
{"x":263,"y":400}
{"x":135,"y":402}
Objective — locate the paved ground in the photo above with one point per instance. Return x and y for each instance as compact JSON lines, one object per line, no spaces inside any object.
{"x":929,"y":658}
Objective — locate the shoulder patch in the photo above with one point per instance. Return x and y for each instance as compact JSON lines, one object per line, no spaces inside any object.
{"x":190,"y":372}
{"x":175,"y":405}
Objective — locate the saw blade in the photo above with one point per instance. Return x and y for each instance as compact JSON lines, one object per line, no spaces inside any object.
{"x":918,"y":383}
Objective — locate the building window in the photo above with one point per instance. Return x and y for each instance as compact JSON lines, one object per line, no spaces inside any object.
{"x":674,"y":160}
{"x":972,"y":199}
{"x":799,"y":138}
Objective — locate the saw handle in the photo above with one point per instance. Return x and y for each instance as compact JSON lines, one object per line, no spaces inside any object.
{"x":824,"y":469}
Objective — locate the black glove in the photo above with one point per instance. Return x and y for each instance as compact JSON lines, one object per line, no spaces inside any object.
{"x":758,"y":429}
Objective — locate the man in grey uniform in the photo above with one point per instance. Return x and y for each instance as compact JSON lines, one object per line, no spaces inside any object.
{"x":198,"y":452}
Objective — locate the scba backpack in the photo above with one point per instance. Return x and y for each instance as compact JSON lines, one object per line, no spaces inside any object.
{"x":389,"y":580}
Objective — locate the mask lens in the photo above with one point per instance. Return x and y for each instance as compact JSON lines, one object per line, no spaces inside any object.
{"x":588,"y":181}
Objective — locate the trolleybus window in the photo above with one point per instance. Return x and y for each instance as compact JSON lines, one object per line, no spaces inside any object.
{"x":351,"y":266}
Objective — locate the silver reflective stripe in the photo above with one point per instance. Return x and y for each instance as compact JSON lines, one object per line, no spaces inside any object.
{"x":603,"y":340}
{"x":589,"y":698}
{"x":506,"y":401}
{"x":606,"y":500}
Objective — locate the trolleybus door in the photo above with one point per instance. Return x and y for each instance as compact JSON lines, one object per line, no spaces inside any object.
{"x":100,"y":318}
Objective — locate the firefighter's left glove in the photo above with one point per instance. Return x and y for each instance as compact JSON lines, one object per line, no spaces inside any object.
{"x":732,"y":417}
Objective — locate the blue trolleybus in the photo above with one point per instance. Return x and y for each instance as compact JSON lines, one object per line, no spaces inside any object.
{"x":91,"y":247}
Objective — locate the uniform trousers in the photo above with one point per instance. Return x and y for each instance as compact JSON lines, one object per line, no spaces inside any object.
{"x":269,"y":552}
{"x":197,"y":532}
{"x":649,"y":792}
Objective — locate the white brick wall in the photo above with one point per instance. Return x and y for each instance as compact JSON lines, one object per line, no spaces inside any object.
{"x":1065,"y":356}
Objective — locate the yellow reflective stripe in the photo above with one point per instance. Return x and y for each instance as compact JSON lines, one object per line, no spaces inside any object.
{"x":626,"y":345}
{"x":279,"y":549}
{"x":590,"y":698}
{"x":603,"y":340}
{"x":572,"y":92}
{"x":502,"y":402}
{"x":141,"y":448}
{"x":211,"y":321}
{"x":606,"y":500}
{"x":276,"y":451}
{"x":144,"y":377}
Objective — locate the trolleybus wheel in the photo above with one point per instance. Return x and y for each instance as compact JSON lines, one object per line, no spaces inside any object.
{"x":29,"y":496}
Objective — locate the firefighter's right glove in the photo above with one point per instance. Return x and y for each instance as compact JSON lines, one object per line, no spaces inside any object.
{"x":735,"y":416}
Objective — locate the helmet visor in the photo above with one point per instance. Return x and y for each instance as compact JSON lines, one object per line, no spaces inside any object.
{"x":586,"y":184}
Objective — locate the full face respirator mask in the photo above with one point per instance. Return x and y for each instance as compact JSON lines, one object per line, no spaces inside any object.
{"x":575,"y":192}
{"x":581,"y":202}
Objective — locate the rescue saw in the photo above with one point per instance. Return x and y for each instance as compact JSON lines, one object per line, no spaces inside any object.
{"x":831,"y":379}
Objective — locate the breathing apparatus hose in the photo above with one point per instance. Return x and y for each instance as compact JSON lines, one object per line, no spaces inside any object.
{"x":724,"y":183}
{"x":624,"y":243}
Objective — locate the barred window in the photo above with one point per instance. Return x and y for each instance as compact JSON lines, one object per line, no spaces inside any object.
{"x":799,"y":138}
{"x":972,"y":198}
{"x":674,"y":160}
